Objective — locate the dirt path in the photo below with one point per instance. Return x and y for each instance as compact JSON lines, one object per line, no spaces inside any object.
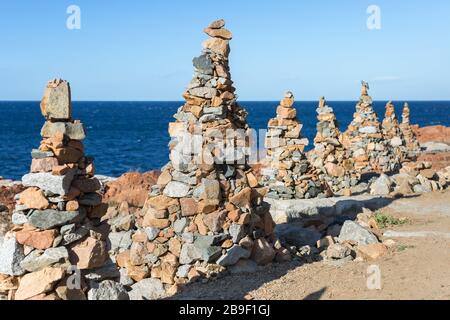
{"x":416,"y":268}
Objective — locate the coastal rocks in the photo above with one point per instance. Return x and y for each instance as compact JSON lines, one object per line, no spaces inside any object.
{"x":206,"y":209}
{"x":370,"y":151}
{"x":288,"y":174}
{"x":331,"y":160}
{"x":393,"y":133}
{"x":412,"y":144}
{"x":58,"y":216}
{"x":131,"y":187}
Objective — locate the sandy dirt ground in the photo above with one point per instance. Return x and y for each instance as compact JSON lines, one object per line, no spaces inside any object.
{"x":415,"y":268}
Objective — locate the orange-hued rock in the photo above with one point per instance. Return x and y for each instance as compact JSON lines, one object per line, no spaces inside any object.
{"x":36,"y":283}
{"x":34,"y":198}
{"x":88,"y":254}
{"x":432,"y":134}
{"x":372,"y":251}
{"x":37,"y":239}
{"x":72,"y":205}
{"x":43,"y":165}
{"x":132,"y":187}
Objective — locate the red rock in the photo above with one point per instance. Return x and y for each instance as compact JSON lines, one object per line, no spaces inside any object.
{"x":372,"y":251}
{"x":433,"y":134}
{"x":37,"y":239}
{"x":149,"y":221}
{"x":36,"y":283}
{"x":242,"y":199}
{"x":43,"y":165}
{"x":214,"y":221}
{"x":189,"y":207}
{"x":219,"y":33}
{"x":168,"y":272}
{"x":88,"y":254}
{"x":131,"y":187}
{"x":34,"y":198}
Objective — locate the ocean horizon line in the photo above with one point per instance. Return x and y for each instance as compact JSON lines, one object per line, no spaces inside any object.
{"x":240,"y":101}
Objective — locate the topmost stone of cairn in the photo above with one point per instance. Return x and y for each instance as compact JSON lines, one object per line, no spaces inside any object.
{"x":56,"y":103}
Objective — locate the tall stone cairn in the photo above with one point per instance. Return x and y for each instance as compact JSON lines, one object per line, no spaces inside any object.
{"x":393,"y":133}
{"x":288,"y":174}
{"x":57,"y":217}
{"x":370,"y":151}
{"x":412,"y":144}
{"x":206,"y":211}
{"x":329,"y":156}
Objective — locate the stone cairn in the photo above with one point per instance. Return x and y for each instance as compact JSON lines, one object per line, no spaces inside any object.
{"x":57,"y":216}
{"x":206,"y":211}
{"x":369,"y":150}
{"x":392,"y":132}
{"x":289,"y":174}
{"x":329,"y":156}
{"x":412,"y":144}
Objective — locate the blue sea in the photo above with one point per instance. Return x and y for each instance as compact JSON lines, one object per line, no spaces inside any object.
{"x":132,"y":136}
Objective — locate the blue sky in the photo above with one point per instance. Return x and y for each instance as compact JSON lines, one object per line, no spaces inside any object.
{"x":142,"y":50}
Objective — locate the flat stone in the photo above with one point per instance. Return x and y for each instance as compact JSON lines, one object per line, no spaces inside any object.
{"x":38,"y":154}
{"x":58,"y":185}
{"x":43,"y":164}
{"x":147,"y":289}
{"x":351,"y":231}
{"x":34,"y":198}
{"x":49,"y":219}
{"x":244,"y":266}
{"x":36,"y":260}
{"x":37,"y":239}
{"x":176,"y":190}
{"x":233,"y":255}
{"x":108,"y":291}
{"x":43,"y":281}
{"x":372,"y":251}
{"x":11,"y":255}
{"x":74,"y":131}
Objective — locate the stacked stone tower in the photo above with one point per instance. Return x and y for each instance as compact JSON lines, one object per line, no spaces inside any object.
{"x":412,"y":144}
{"x":392,"y":132}
{"x":206,"y":211}
{"x":331,"y":160}
{"x":288,"y":174}
{"x":57,"y":218}
{"x":364,"y":138}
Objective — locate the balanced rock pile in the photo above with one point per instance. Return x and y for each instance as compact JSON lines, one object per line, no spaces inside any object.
{"x":206,"y":211}
{"x":329,"y":156}
{"x":392,"y":132}
{"x":289,"y":174}
{"x":370,"y":151}
{"x":57,"y":216}
{"x":410,"y":137}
